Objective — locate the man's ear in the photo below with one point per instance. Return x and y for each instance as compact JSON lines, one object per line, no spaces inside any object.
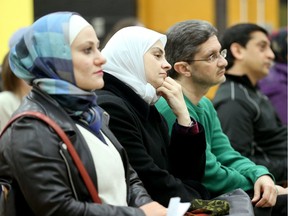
{"x":182,"y":68}
{"x":236,"y":50}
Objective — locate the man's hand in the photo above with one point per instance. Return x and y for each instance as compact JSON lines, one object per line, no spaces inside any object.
{"x":265,"y":192}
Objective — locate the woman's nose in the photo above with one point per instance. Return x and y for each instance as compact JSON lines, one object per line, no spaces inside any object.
{"x":100,"y":59}
{"x":166,"y":65}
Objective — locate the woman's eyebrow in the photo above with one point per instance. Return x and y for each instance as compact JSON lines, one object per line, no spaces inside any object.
{"x":157,"y":49}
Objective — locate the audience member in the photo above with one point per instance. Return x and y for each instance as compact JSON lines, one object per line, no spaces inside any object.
{"x":13,"y":39}
{"x":135,"y":77}
{"x":59,"y":56}
{"x":13,"y":89}
{"x":274,"y":86}
{"x":246,"y":115}
{"x":198,"y":64}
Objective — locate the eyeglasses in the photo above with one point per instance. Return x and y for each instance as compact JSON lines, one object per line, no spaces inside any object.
{"x":213,"y":57}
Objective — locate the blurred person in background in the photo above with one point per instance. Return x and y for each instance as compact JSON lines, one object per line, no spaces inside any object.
{"x":13,"y":39}
{"x":246,"y":115}
{"x":274,"y":86}
{"x":13,"y":88}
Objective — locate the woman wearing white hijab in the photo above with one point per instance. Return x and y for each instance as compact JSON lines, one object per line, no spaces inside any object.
{"x":135,"y":77}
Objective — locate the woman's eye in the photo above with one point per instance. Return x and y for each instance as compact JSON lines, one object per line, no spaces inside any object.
{"x":88,"y":50}
{"x":157,"y":55}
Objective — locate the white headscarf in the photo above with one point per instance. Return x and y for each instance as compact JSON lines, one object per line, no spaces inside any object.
{"x":125,"y":58}
{"x":76,"y":24}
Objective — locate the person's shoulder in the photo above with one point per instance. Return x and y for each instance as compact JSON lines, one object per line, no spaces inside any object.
{"x":106,"y":96}
{"x":7,"y":97}
{"x":7,"y":94}
{"x":230,"y":91}
{"x":106,"y":99}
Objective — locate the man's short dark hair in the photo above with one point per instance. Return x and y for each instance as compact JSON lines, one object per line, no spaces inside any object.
{"x":239,"y":33}
{"x":184,"y":39}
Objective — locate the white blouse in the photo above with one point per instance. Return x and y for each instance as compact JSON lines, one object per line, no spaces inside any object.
{"x":9,"y":102}
{"x":110,"y":170}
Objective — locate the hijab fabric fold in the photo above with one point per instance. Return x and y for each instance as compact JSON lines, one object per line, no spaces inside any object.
{"x":43,"y":57}
{"x":124,"y":53}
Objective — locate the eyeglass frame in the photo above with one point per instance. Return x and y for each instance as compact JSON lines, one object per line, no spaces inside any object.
{"x":223,"y":54}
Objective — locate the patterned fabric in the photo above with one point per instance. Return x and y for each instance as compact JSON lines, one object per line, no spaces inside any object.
{"x":210,"y":207}
{"x":43,"y":57}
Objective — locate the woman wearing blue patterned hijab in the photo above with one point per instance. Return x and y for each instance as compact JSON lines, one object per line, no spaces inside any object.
{"x":49,"y":65}
{"x":58,"y":55}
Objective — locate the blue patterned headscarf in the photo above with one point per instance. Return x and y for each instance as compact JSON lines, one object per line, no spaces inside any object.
{"x":43,"y":57}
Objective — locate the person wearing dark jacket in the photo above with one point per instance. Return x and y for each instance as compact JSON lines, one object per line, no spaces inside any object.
{"x":246,"y":115}
{"x":59,"y":56}
{"x":135,"y":77}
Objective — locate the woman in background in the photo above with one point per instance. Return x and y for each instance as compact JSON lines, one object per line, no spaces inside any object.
{"x":14,"y":89}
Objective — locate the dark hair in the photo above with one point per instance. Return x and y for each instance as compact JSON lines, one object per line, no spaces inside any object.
{"x":10,"y":82}
{"x":184,"y":39}
{"x":279,"y":44}
{"x":239,"y":33}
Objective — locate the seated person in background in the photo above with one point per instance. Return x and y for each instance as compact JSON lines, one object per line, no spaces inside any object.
{"x":14,"y":89}
{"x":135,"y":76}
{"x":274,"y":85}
{"x":13,"y":39}
{"x":246,"y":115}
{"x":61,"y":59}
{"x":198,"y":64}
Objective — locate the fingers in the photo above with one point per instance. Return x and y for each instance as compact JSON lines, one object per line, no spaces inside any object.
{"x":169,"y":87}
{"x":256,"y":196}
{"x":172,"y":92}
{"x":268,"y":198}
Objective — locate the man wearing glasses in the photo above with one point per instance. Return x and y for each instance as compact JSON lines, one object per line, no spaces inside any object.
{"x":198,"y":63}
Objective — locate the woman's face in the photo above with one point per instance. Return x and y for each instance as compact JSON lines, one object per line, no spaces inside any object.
{"x":156,"y":66}
{"x":87,"y":60}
